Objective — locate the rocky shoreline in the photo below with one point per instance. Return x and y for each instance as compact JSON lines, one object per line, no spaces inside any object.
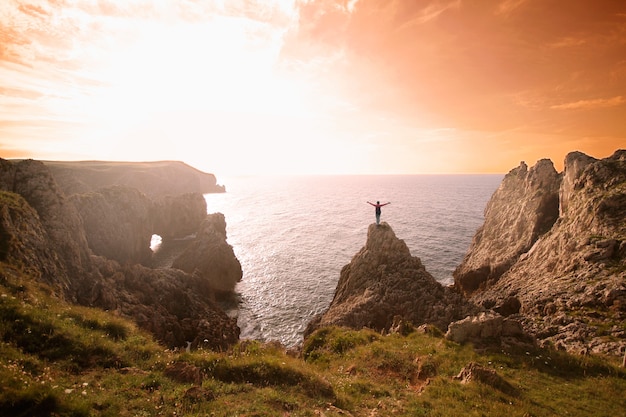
{"x":548,"y":266}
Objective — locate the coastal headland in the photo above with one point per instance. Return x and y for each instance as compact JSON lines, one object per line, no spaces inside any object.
{"x":542,"y":290}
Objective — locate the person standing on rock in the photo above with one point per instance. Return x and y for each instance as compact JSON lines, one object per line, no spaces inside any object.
{"x":378,"y":206}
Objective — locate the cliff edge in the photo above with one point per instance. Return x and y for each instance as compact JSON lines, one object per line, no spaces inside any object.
{"x":157,"y":178}
{"x":553,"y":248}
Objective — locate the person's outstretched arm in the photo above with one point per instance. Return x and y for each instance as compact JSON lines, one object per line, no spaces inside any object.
{"x":388,"y":202}
{"x":371,"y":204}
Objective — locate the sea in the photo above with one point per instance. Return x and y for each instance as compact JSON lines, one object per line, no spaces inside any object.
{"x":293,"y":234}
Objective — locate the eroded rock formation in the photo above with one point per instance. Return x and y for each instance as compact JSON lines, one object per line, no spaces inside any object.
{"x":570,"y":279}
{"x":43,"y":234}
{"x":120,"y":221}
{"x":383,"y":281}
{"x":57,"y":216}
{"x":525,"y":206}
{"x":210,"y":257}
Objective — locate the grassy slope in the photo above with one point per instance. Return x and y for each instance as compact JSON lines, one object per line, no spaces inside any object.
{"x":63,"y":360}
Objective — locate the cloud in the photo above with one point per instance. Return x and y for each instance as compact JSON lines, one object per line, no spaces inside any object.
{"x":433,"y":11}
{"x":507,"y":7}
{"x":598,"y":103}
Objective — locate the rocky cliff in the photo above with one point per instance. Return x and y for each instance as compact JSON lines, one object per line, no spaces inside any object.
{"x":151,"y":178}
{"x":209,"y":256}
{"x":384,"y":282}
{"x":119,"y":221}
{"x":553,"y":249}
{"x":525,"y":206}
{"x":44,"y":233}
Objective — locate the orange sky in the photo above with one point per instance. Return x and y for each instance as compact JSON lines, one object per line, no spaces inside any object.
{"x":313,"y":86}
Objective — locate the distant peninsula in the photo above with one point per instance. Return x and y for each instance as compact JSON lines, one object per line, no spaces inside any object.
{"x":155,"y":178}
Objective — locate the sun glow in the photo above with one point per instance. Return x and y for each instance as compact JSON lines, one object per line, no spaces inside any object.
{"x":288,"y":86}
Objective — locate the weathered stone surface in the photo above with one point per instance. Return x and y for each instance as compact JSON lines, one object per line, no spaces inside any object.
{"x":571,"y":283}
{"x":24,"y":241}
{"x":58,"y":217}
{"x":178,"y":216}
{"x":166,"y":302}
{"x":575,"y":163}
{"x":382,"y":282}
{"x":118,"y":223}
{"x":488,"y":328}
{"x":43,"y":234}
{"x":211,"y":258}
{"x":510,"y":229}
{"x":151,"y":178}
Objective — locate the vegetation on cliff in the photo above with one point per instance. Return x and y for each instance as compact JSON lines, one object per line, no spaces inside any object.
{"x":58,"y":359}
{"x":152,"y":178}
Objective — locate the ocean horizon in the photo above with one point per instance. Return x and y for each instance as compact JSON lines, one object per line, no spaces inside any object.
{"x":294,"y":234}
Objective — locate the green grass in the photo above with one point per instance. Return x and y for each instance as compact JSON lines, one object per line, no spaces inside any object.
{"x":58,"y":359}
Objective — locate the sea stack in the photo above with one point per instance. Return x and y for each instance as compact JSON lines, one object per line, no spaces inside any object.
{"x":384,"y":282}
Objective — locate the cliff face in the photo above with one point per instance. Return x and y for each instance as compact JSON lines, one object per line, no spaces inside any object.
{"x":383,"y":281}
{"x":25,"y":242}
{"x":57,"y":216}
{"x":210,"y":257}
{"x":43,"y":233}
{"x":120,"y":221}
{"x":151,"y":178}
{"x":569,"y":279}
{"x":525,"y":206}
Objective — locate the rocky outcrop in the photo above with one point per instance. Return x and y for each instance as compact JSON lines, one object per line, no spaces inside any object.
{"x":178,"y":216}
{"x":210,"y":257}
{"x":43,"y":235}
{"x":25,"y":242}
{"x":151,"y":178}
{"x":524,"y":207}
{"x":384,"y":281}
{"x":58,"y":217}
{"x":167,"y":302}
{"x":571,"y":282}
{"x":119,"y":221}
{"x":488,"y":329}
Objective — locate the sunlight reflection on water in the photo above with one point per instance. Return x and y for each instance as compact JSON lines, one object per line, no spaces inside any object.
{"x":293,"y":235}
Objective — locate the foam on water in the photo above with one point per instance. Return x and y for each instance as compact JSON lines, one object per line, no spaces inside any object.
{"x":293,"y":235}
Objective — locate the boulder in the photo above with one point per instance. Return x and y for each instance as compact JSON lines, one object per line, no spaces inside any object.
{"x":383,"y":283}
{"x":488,"y":329}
